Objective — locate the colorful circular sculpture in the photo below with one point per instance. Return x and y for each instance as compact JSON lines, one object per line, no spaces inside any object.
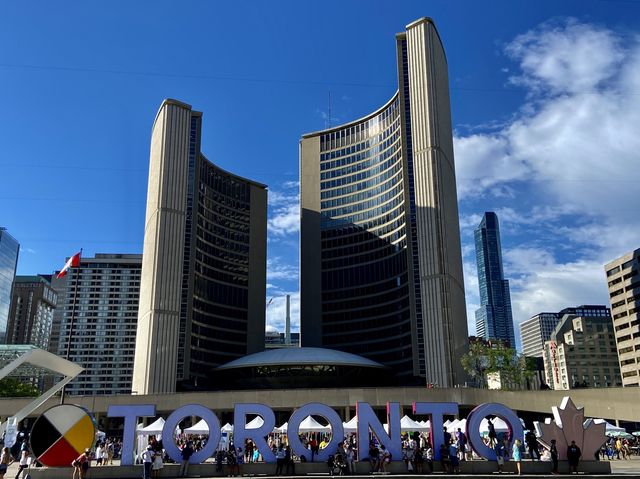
{"x":61,"y":434}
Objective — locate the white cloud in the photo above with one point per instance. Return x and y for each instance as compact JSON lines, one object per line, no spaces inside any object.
{"x":284,"y":206}
{"x":566,"y":56}
{"x":565,"y":164}
{"x":279,"y":269}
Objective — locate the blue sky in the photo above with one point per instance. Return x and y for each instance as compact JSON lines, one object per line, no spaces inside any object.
{"x":545,"y":101}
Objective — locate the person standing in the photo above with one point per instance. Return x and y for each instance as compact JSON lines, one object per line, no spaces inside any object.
{"x":492,"y":433}
{"x":5,"y":461}
{"x":186,"y":453}
{"x":554,"y":456}
{"x":350,"y":457}
{"x":516,"y":455}
{"x":147,"y":462}
{"x":373,"y":457}
{"x":280,"y":459}
{"x":573,"y":456}
{"x":501,"y":452}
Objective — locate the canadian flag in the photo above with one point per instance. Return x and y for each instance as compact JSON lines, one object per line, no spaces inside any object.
{"x":73,"y":262}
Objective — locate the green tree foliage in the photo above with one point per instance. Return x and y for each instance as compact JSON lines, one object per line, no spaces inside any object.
{"x":484,"y":359}
{"x":13,"y":388}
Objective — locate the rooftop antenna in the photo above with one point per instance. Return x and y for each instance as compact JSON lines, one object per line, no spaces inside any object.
{"x":327,"y":122}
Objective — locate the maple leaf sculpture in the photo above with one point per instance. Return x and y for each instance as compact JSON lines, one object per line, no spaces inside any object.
{"x":570,"y":426}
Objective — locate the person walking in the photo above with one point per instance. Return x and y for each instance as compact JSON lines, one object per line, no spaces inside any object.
{"x":280,"y":459}
{"x":5,"y":461}
{"x":516,"y":455}
{"x":147,"y":462}
{"x":554,"y":456}
{"x":573,"y":456}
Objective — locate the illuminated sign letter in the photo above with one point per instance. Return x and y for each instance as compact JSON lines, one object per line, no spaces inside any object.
{"x":130,"y":415}
{"x":293,"y":427}
{"x":436,"y":410}
{"x":491,"y":409}
{"x":172,"y":423}
{"x":367,"y":419}
{"x":241,"y":433}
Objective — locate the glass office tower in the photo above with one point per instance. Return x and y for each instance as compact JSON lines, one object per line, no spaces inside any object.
{"x":9,"y":249}
{"x":493,"y":318}
{"x":381,"y":267}
{"x":203,"y":287}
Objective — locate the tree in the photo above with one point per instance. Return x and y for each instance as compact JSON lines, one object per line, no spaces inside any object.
{"x":14,"y":388}
{"x":484,"y":359}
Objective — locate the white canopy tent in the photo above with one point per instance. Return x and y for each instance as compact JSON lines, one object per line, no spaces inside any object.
{"x":311,"y":425}
{"x":498,"y":424}
{"x":227,"y":428}
{"x":408,"y":424}
{"x":255,"y":423}
{"x":351,"y":425}
{"x":153,"y":428}
{"x":610,"y":428}
{"x":461,"y":424}
{"x":282,"y":429}
{"x":201,"y":427}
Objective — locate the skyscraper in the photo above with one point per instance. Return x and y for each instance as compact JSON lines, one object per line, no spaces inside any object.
{"x":202,"y":297}
{"x":624,"y":292}
{"x":32,"y":305}
{"x":9,"y":249}
{"x":381,"y":267}
{"x":493,"y":318}
{"x":105,"y":312}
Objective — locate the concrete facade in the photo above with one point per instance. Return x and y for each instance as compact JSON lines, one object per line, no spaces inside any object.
{"x":582,"y":354}
{"x":535,"y":331}
{"x":204,"y":261}
{"x":32,"y":305}
{"x":624,"y":292}
{"x":381,"y":266}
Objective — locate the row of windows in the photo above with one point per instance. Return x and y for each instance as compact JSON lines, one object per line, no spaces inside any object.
{"x":227,"y":244}
{"x":381,"y":167}
{"x":222,"y":294}
{"x":349,"y":162}
{"x":360,"y":131}
{"x":328,"y":218}
{"x":365,"y":230}
{"x":394,"y":196}
{"x":355,"y":247}
{"x":370,"y":188}
{"x":224,"y":184}
{"x":392,"y":266}
{"x":203,"y":332}
{"x":220,"y":270}
{"x":363,"y":291}
{"x":381,"y":327}
{"x":352,"y":260}
{"x":214,"y":216}
{"x":383,"y":298}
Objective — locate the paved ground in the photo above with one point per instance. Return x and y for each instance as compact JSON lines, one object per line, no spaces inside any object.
{"x":629,"y":467}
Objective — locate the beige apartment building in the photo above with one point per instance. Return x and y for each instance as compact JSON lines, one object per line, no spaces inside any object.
{"x":624,"y":294}
{"x":380,"y":256}
{"x":582,"y":352}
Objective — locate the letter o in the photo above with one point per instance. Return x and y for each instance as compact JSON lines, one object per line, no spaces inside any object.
{"x":174,"y":419}
{"x":318,"y":409}
{"x":491,"y":409}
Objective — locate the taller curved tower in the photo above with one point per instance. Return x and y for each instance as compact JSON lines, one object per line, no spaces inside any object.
{"x":203,"y":281}
{"x":381,"y":263}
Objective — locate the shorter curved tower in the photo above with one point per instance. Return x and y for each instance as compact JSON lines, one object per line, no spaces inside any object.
{"x":202,"y":293}
{"x":380,"y":256}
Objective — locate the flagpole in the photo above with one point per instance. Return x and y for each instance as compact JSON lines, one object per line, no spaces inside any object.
{"x":71,"y":322}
